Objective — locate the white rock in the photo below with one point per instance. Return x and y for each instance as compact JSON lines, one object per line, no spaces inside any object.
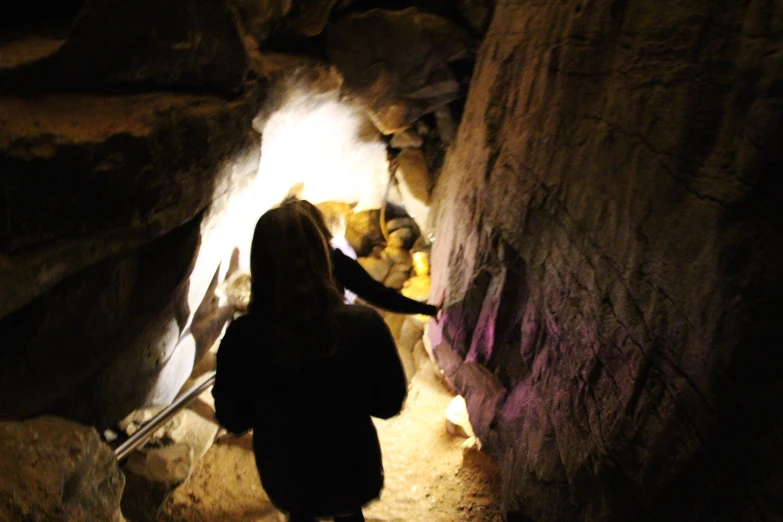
{"x":136,"y":419}
{"x":457,"y":420}
{"x":169,"y":465}
{"x":195,"y":431}
{"x":421,"y":263}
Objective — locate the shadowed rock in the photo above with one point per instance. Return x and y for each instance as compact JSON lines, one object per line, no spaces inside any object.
{"x":58,"y":471}
{"x":609,"y":237}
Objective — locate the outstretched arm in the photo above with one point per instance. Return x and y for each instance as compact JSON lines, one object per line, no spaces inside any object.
{"x":352,"y":276}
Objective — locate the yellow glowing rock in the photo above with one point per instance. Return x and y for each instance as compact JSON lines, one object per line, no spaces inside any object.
{"x":421,"y":263}
{"x":417,"y":287}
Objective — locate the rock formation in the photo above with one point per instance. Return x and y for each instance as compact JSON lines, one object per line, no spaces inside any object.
{"x":58,"y":471}
{"x":123,"y":150}
{"x":609,"y":244}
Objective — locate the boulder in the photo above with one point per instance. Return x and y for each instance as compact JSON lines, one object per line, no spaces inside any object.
{"x":397,"y":276}
{"x":363,"y":230}
{"x":396,"y":63}
{"x":402,"y":238}
{"x":609,"y":243}
{"x":376,"y":267}
{"x":169,"y":465}
{"x":398,"y":256}
{"x":421,"y":263}
{"x":55,"y":470}
{"x":397,"y":223}
{"x":417,"y":287}
{"x":117,"y":212}
{"x":166,"y":460}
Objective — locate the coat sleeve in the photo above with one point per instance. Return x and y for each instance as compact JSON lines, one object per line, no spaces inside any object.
{"x":234,"y":408}
{"x":350,"y":274}
{"x":385,"y":382}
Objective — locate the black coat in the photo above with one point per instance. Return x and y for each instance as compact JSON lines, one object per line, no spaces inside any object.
{"x":348,"y":273}
{"x":315,"y":445}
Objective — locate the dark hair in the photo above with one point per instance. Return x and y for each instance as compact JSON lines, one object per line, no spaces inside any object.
{"x":292,"y":294}
{"x":312,"y":212}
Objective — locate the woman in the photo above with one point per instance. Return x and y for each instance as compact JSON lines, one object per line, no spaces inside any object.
{"x":306,"y":372}
{"x":350,"y":275}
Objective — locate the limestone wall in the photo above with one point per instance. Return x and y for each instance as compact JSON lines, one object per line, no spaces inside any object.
{"x":608,"y":243}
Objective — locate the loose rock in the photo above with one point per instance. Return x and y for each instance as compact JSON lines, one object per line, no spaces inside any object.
{"x":377,"y":268}
{"x":57,"y":471}
{"x":457,"y":420}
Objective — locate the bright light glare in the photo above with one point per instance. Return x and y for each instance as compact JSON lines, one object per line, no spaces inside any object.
{"x":316,"y":139}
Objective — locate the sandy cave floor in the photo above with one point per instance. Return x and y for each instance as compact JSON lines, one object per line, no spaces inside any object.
{"x":427,"y":478}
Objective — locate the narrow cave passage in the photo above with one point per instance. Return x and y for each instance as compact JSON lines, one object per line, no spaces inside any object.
{"x":590,"y":189}
{"x":320,"y":147}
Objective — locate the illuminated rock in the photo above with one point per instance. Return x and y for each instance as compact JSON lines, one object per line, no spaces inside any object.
{"x":166,"y":460}
{"x":397,"y":276}
{"x":58,"y":471}
{"x":421,"y":263}
{"x":169,"y":465}
{"x":417,"y":287}
{"x":117,"y":212}
{"x":398,"y":256}
{"x":377,"y":268}
{"x":457,"y":420}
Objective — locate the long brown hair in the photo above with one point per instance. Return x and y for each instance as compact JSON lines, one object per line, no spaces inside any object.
{"x":292,"y":293}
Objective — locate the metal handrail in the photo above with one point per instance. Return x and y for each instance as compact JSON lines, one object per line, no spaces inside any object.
{"x":146,"y":431}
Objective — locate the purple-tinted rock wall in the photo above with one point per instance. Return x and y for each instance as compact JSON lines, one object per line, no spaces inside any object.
{"x":609,"y":243}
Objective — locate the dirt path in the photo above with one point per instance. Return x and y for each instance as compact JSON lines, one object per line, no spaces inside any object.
{"x":426,"y":477}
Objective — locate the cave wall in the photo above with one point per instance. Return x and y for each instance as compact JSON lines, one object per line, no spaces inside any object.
{"x":129,"y":169}
{"x":608,"y":245}
{"x":126,"y":157}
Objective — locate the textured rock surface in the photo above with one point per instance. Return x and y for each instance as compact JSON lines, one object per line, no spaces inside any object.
{"x":106,"y":203}
{"x":58,"y":471}
{"x":415,"y":184}
{"x":609,"y":240}
{"x":396,"y":62}
{"x":166,"y":43}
